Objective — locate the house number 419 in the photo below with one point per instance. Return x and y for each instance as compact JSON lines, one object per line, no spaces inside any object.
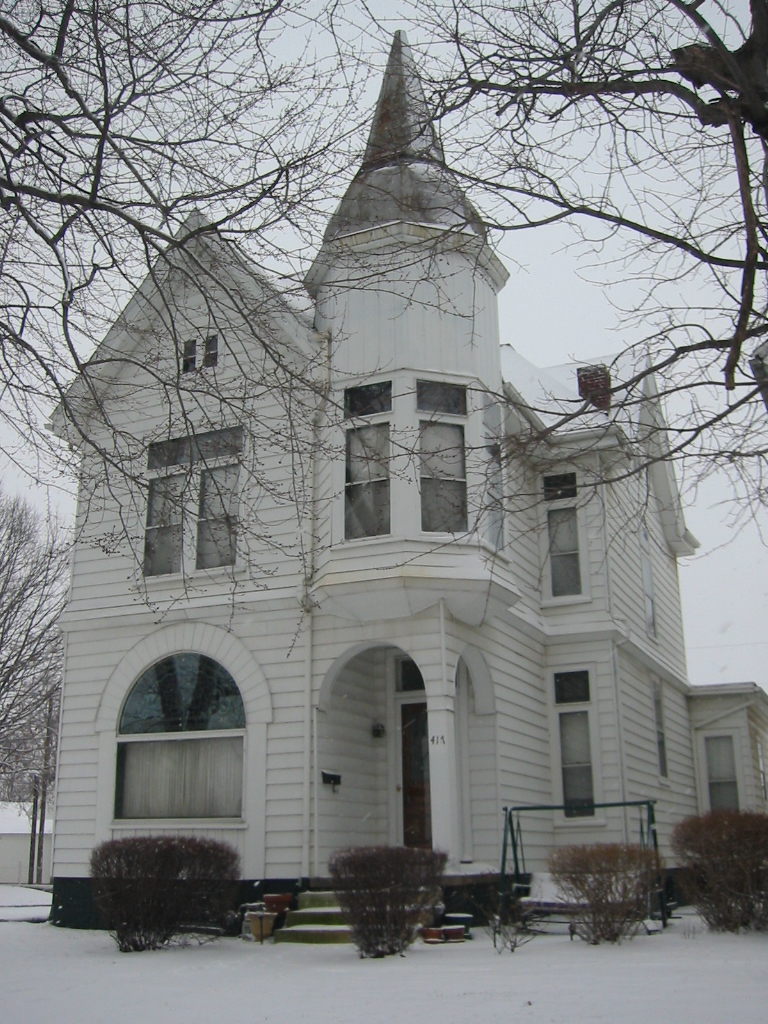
{"x":437,"y":739}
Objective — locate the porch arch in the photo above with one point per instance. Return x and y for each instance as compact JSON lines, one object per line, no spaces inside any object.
{"x":482,"y":683}
{"x":329,"y":679}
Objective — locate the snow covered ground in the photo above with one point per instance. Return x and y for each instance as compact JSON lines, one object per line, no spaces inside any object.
{"x":21,"y":903}
{"x":684,"y":976}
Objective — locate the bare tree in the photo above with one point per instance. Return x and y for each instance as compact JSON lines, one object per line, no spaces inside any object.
{"x":643,"y":124}
{"x":117,"y":122}
{"x":33,"y":583}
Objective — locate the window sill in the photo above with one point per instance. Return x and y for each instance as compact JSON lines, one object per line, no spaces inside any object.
{"x":118,"y":824}
{"x":665,"y":782}
{"x":571,"y":823}
{"x":564,"y":602}
{"x":195,"y":577}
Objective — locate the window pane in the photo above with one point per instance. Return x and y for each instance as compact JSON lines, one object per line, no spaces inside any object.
{"x":574,"y":737}
{"x":409,"y":677}
{"x":216,"y":543}
{"x":162,"y":550}
{"x":566,"y":578}
{"x":181,"y":693}
{"x":211,"y":356}
{"x":436,"y":396}
{"x":578,"y":796}
{"x":576,"y":761}
{"x":563,"y":531}
{"x":442,"y":451}
{"x":218,"y":492}
{"x":494,"y":530}
{"x":190,"y":355}
{"x":661,"y":744}
{"x":200,"y":778}
{"x":165,"y":505}
{"x":561,"y":486}
{"x":721,"y":769}
{"x":368,"y":399}
{"x":181,"y":451}
{"x":571,"y":687}
{"x":366,"y":509}
{"x":443,"y":506}
{"x":163,"y":539}
{"x":368,"y":454}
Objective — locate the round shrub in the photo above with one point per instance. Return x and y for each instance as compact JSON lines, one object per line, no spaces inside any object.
{"x":385,"y":893}
{"x":148,"y":889}
{"x":724,"y":856}
{"x":609,"y":886}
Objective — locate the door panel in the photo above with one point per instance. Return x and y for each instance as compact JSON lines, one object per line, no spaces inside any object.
{"x":417,"y":817}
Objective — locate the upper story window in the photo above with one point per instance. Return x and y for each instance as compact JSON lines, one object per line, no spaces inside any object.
{"x":647,"y":573}
{"x":563,"y":535}
{"x":196,"y":506}
{"x":658,"y":716}
{"x":367,"y":490}
{"x":572,"y":688}
{"x":721,"y":774}
{"x":443,"y":473}
{"x":210,"y":353}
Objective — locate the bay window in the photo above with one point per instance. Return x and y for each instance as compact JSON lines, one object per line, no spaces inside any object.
{"x":367,"y":489}
{"x":443,"y":474}
{"x":563,"y":536}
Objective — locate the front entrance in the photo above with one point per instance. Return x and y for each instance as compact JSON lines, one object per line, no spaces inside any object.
{"x":417,"y":817}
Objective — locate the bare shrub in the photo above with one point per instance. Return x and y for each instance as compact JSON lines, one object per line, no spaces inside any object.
{"x":385,"y":893}
{"x":148,"y":889}
{"x":609,"y":885}
{"x":724,"y":856}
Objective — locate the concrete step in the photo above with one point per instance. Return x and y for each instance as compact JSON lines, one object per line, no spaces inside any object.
{"x":311,"y":900}
{"x":314,"y":933}
{"x":314,"y":915}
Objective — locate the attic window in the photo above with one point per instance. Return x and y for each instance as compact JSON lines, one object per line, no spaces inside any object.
{"x":595,"y":385}
{"x":210,"y":353}
{"x":563,"y":485}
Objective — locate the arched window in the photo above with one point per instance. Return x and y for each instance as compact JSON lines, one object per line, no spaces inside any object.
{"x":180,"y":742}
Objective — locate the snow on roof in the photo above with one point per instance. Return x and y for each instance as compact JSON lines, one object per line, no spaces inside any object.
{"x":15,"y":820}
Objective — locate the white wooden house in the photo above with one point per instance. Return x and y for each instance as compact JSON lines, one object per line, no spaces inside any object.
{"x":343,"y":600}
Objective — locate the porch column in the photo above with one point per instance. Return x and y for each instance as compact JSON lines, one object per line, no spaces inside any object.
{"x":443,"y":777}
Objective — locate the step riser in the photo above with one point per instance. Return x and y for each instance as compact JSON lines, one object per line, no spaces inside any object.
{"x":331,"y":916}
{"x":313,"y":900}
{"x":315,"y":937}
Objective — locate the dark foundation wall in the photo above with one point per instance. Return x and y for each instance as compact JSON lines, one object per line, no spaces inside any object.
{"x":73,"y":905}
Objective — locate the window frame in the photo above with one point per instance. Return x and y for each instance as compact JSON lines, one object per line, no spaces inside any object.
{"x":427,"y":417}
{"x":547,"y":505}
{"x":718,"y":734}
{"x":192,"y":468}
{"x":124,"y":739}
{"x":561,"y":819}
{"x":646,"y":580}
{"x":660,"y":730}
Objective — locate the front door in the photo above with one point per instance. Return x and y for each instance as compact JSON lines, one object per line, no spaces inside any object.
{"x":417,"y":817}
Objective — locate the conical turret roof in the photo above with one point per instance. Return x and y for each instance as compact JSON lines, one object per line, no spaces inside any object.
{"x":403,"y":176}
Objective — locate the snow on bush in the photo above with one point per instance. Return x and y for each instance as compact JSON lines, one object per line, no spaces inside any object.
{"x":724,"y":855}
{"x":608,"y":886}
{"x":385,"y":893}
{"x":148,"y":889}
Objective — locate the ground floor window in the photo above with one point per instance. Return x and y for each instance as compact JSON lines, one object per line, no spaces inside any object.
{"x":721,"y":774}
{"x":180,"y":742}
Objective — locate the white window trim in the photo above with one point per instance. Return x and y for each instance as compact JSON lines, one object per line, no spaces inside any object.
{"x":658,"y":684}
{"x":560,"y":821}
{"x":544,"y":507}
{"x":745,"y":800}
{"x":193,"y":474}
{"x":339,"y":475}
{"x":649,"y":593}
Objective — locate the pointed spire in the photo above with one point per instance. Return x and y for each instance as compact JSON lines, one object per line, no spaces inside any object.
{"x":402,"y":127}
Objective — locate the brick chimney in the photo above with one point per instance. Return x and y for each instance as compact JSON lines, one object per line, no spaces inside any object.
{"x":595,"y":386}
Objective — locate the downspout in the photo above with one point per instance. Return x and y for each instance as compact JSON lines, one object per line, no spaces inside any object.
{"x":614,"y":658}
{"x":310,"y":714}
